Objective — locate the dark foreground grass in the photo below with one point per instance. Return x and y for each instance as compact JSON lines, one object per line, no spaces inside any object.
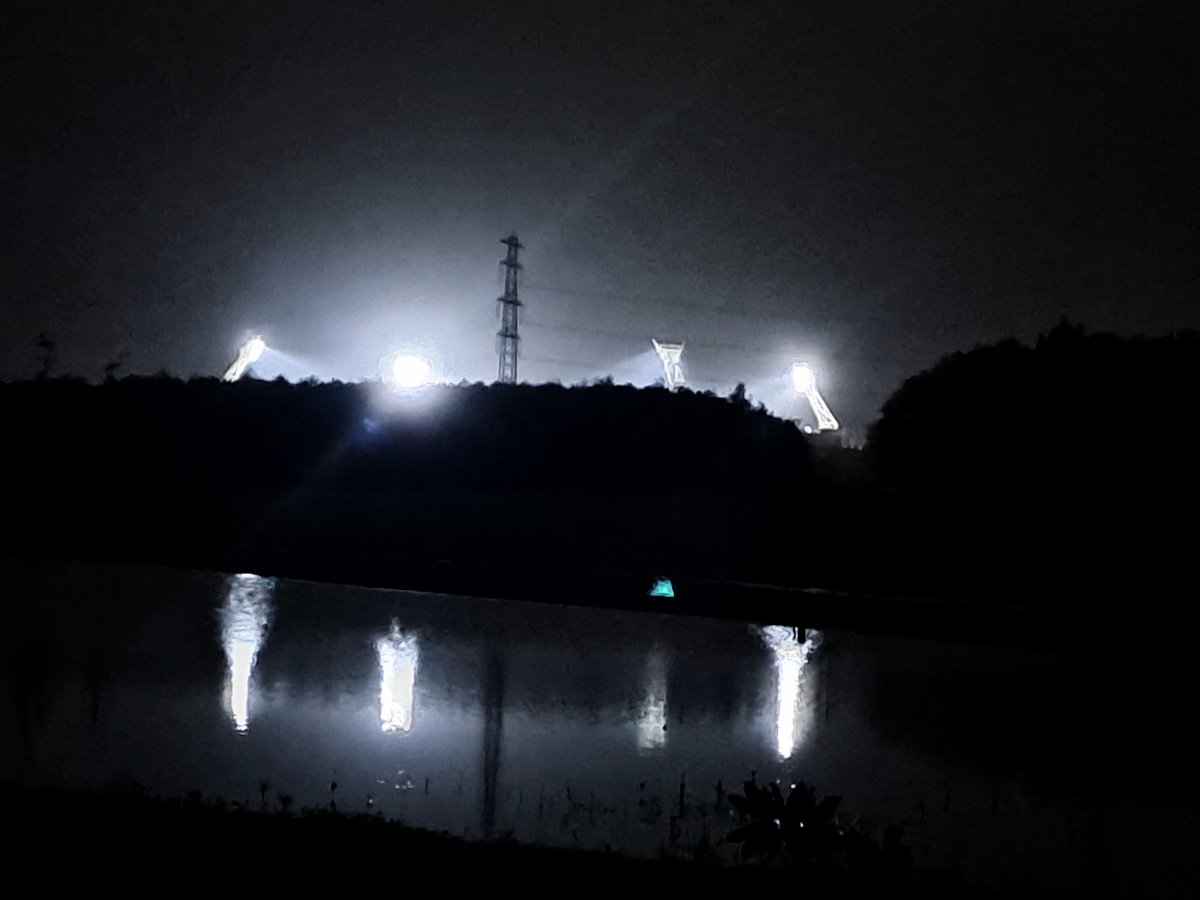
{"x":146,"y":844}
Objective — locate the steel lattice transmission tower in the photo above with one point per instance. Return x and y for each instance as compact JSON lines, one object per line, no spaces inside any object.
{"x":509,"y":340}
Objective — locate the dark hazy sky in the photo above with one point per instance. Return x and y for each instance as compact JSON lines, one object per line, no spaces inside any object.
{"x":864,"y":184}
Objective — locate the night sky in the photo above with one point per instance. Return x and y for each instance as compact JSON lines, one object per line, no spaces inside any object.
{"x":866,"y":185}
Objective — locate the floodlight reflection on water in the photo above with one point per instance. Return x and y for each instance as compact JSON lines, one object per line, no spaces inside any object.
{"x":398,"y":654}
{"x":245,"y":618}
{"x":652,"y":712}
{"x":793,"y":684}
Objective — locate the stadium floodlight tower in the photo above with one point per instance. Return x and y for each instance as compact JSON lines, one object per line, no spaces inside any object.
{"x":805,"y":382}
{"x":248,"y":354}
{"x":672,"y":362}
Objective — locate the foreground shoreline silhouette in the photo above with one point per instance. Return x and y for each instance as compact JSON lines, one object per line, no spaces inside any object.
{"x":258,"y":844}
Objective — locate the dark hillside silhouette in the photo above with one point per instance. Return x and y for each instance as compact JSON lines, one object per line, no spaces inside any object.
{"x":604,"y":477}
{"x":1059,"y":476}
{"x":1052,"y":473}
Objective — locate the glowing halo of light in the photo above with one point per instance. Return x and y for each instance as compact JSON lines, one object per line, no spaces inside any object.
{"x":255,"y":348}
{"x":248,"y":354}
{"x":804,"y":383}
{"x":803,"y":378}
{"x":407,"y":371}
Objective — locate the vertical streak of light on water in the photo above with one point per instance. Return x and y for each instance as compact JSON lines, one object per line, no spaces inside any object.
{"x":493,"y":735}
{"x":244,"y":621}
{"x":791,"y":658}
{"x":398,"y":657}
{"x":652,"y":713}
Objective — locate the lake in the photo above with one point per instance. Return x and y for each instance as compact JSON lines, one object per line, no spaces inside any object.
{"x":553,"y":724}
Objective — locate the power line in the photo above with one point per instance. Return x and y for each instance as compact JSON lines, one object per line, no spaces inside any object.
{"x":657,"y":301}
{"x":548,"y":360}
{"x":729,"y":379}
{"x":637,"y":338}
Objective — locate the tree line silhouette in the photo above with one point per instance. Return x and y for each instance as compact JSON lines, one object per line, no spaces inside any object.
{"x":1049,"y":474}
{"x":1057,"y":473}
{"x":605,"y":476}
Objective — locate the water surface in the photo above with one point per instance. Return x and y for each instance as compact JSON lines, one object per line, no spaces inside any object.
{"x":559,"y":725}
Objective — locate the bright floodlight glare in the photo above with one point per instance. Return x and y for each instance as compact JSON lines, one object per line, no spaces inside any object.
{"x":804,"y":382}
{"x":255,"y":348}
{"x":802,"y":378}
{"x":409,"y":371}
{"x":248,"y":354}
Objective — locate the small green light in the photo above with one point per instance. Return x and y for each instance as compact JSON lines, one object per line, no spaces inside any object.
{"x":662,"y":588}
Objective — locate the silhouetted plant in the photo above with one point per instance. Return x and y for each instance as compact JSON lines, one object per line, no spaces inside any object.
{"x":806,"y":831}
{"x":799,"y":823}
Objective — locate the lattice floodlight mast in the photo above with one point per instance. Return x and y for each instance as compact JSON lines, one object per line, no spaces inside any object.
{"x":508,"y":338}
{"x":248,"y":354}
{"x":671,"y":356}
{"x":804,"y":382}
